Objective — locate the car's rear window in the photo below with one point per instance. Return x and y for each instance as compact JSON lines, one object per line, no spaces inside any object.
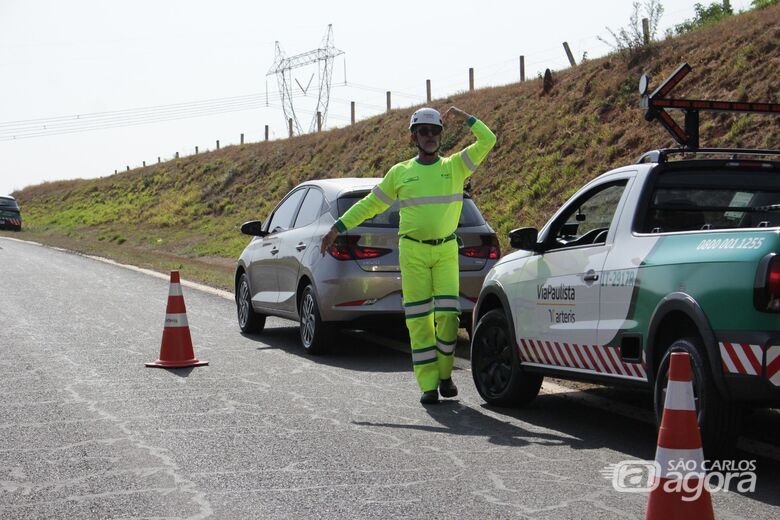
{"x":690,"y":201}
{"x":469,"y":215}
{"x":7,"y":203}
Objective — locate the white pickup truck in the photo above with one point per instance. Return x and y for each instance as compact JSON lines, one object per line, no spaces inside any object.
{"x":673,"y":253}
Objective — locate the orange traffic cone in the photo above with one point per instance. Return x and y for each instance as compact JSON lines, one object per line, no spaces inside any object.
{"x":679,"y":490}
{"x":176,"y":349}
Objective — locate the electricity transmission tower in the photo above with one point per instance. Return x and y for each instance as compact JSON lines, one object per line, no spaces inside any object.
{"x":283,"y":66}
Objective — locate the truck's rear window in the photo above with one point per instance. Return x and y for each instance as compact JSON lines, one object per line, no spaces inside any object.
{"x":691,"y":201}
{"x":469,"y":215}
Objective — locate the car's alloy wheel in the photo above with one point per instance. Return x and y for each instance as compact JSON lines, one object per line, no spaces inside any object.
{"x":719,"y":420}
{"x":315,"y":335}
{"x":248,"y":320}
{"x":495,"y":364}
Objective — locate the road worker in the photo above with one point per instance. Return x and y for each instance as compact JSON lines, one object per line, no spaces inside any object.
{"x":429,"y":192}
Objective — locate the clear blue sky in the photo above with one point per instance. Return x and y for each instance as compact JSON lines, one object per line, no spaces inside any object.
{"x":86,"y":56}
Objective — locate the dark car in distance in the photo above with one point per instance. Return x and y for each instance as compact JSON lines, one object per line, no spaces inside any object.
{"x":10,"y":214}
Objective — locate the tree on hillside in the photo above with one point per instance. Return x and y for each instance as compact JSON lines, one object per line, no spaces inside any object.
{"x":706,"y":15}
{"x":630,"y":40}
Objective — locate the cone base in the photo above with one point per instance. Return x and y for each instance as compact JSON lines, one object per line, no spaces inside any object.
{"x":176,"y":364}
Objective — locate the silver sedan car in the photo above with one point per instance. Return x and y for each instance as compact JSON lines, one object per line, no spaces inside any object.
{"x":357,"y":284}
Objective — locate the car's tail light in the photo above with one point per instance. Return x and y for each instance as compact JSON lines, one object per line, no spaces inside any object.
{"x":489,"y":249}
{"x":347,"y":248}
{"x":766,"y":290}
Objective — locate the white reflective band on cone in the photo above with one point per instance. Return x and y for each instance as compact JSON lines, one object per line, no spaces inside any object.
{"x":176,"y":320}
{"x":673,"y":462}
{"x":175,"y":290}
{"x":679,"y":396}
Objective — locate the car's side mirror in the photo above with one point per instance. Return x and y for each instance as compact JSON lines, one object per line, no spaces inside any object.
{"x":253,"y":228}
{"x":525,"y":238}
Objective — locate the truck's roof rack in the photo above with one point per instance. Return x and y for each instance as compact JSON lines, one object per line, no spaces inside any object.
{"x":655,"y":106}
{"x":662,"y":155}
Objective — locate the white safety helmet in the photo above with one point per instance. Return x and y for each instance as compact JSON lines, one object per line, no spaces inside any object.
{"x":425,"y":116}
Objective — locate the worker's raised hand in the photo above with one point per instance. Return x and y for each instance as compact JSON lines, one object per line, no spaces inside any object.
{"x":456,"y":114}
{"x":328,"y":240}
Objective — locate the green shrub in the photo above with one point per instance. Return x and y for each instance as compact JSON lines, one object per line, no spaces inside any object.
{"x":710,"y":14}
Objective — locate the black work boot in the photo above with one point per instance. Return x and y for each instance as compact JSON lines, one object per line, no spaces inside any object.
{"x":429,"y":397}
{"x":447,"y":388}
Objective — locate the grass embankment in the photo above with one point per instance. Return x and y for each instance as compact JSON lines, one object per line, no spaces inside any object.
{"x":185,"y":213}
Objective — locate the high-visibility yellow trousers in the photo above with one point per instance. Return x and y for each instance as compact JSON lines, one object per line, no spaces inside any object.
{"x":430,"y":286}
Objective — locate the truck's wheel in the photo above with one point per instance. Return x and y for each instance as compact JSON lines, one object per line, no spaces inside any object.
{"x":495,"y":364}
{"x":719,"y":420}
{"x":315,"y":334}
{"x":249,"y":321}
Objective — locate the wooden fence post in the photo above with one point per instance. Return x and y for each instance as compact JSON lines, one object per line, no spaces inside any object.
{"x":646,"y":30}
{"x":242,"y":138}
{"x":319,"y":121}
{"x":522,"y":68}
{"x":144,"y":164}
{"x":128,"y":168}
{"x":289,"y":123}
{"x":471,"y":78}
{"x":158,"y":159}
{"x":196,"y":150}
{"x":217,"y":144}
{"x":428,"y":89}
{"x":352,"y":109}
{"x":388,"y":101}
{"x":266,"y":132}
{"x":569,"y":54}
{"x":115,"y":172}
{"x":177,"y":155}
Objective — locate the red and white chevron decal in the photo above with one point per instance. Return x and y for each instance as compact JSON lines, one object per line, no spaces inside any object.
{"x":581,"y":358}
{"x":773,"y":365}
{"x":13,"y":221}
{"x":741,"y":358}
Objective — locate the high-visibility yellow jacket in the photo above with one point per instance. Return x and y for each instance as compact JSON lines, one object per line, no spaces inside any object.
{"x":430,"y":196}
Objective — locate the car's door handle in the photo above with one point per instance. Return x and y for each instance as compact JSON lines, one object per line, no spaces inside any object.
{"x":274,"y":250}
{"x":591,"y":276}
{"x":301,"y":246}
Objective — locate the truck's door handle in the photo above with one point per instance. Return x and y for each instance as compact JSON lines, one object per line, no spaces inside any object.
{"x":274,"y":250}
{"x":301,"y":246}
{"x":591,"y":276}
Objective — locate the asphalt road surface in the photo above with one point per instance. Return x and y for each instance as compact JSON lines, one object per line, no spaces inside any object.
{"x":264,"y":431}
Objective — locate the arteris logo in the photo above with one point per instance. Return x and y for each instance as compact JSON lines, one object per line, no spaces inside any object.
{"x":411,"y":179}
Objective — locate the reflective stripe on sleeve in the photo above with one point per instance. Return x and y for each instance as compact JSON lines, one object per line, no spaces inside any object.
{"x":176,"y":320}
{"x":467,"y":161}
{"x":423,"y":356}
{"x":381,"y":195}
{"x":442,"y":199}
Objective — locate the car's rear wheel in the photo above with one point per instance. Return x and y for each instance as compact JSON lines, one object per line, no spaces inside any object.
{"x":495,"y":364}
{"x":315,"y":334}
{"x":719,"y":420}
{"x":248,"y":320}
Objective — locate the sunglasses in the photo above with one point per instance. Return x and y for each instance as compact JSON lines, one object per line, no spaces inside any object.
{"x":426,"y":131}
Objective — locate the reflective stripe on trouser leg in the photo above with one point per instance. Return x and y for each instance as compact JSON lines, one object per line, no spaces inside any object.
{"x":446,"y":288}
{"x":417,"y":287}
